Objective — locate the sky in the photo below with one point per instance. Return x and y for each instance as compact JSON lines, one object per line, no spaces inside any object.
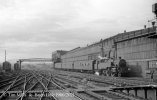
{"x":36,"y":28}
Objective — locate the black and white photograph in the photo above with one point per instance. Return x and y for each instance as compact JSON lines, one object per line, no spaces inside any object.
{"x":78,"y":50}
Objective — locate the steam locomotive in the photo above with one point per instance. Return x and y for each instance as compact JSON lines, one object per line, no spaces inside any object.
{"x":113,"y":69}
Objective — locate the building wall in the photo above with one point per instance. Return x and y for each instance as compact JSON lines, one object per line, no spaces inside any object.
{"x":86,"y":53}
{"x":90,"y":52}
{"x":139,"y":52}
{"x":138,"y":48}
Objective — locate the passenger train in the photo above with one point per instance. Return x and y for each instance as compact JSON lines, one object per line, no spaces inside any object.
{"x":138,"y":48}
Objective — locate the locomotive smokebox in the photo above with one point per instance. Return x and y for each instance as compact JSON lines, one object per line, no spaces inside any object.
{"x":154,"y":9}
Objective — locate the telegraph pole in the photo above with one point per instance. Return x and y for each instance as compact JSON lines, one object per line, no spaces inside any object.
{"x":102,"y":48}
{"x":5,"y":55}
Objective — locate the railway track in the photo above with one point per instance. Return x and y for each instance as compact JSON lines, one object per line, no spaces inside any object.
{"x":28,"y":85}
{"x":111,"y":83}
{"x":116,"y":81}
{"x":50,"y":85}
{"x":88,"y":94}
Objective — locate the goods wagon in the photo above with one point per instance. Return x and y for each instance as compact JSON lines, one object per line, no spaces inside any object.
{"x":7,"y":66}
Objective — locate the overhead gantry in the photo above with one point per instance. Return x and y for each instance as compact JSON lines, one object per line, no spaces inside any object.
{"x":34,"y":60}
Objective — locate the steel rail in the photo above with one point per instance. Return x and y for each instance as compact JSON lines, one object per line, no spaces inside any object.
{"x":8,"y":79}
{"x":78,"y":95}
{"x":116,"y":94}
{"x":69,"y":83}
{"x":9,"y":86}
{"x":22,"y":97}
{"x":46,"y":89}
{"x":118,"y":80}
{"x":100,"y":97}
{"x":40,"y":81}
{"x":25,"y":91}
{"x":75,"y":82}
{"x":15,"y":85}
{"x":50,"y":80}
{"x":5,"y":84}
{"x":96,"y":78}
{"x":48,"y":83}
{"x":24,"y":85}
{"x":61,"y":86}
{"x":52,"y":83}
{"x":24,"y":88}
{"x":28,"y":90}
